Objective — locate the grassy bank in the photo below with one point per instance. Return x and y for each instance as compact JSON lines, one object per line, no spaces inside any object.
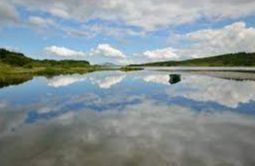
{"x":11,"y":75}
{"x":6,"y":70}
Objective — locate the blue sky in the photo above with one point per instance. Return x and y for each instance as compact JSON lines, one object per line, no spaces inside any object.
{"x":127,"y":31}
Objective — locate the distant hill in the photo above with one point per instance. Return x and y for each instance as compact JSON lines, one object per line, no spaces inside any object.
{"x":109,"y":64}
{"x":20,"y":60}
{"x":227,"y":60}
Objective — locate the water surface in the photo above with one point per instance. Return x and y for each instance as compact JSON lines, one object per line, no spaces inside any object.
{"x":138,"y":118}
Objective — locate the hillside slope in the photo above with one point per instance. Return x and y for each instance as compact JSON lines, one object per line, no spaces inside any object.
{"x":227,"y":60}
{"x":19,"y":59}
{"x":17,"y":64}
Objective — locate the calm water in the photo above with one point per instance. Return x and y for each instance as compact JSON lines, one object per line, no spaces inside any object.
{"x":140,"y":118}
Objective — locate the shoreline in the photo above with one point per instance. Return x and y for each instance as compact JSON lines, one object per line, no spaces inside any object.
{"x":199,"y":69}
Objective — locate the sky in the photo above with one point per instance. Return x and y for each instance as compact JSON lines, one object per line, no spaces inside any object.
{"x":127,"y":31}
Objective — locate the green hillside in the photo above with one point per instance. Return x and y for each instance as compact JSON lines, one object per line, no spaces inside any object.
{"x":227,"y":60}
{"x":16,"y":65}
{"x":13,"y":58}
{"x":19,"y":59}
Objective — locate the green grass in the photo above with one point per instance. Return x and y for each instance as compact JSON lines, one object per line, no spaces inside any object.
{"x":12,"y":76}
{"x":13,"y":63}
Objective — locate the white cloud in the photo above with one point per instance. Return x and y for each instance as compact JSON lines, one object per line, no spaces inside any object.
{"x":160,"y":54}
{"x":62,"y":51}
{"x":107,"y":51}
{"x":148,"y":14}
{"x":236,"y":37}
{"x":39,"y":21}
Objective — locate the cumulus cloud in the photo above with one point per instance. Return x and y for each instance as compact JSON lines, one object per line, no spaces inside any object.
{"x":111,"y":53}
{"x":132,"y":18}
{"x":235,"y":37}
{"x":102,"y":50}
{"x":62,"y":51}
{"x":160,"y":54}
{"x":107,"y":51}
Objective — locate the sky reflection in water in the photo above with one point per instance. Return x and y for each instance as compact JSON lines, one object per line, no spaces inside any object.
{"x":137,"y":118}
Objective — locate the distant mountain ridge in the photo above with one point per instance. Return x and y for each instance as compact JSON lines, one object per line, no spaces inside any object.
{"x":109,"y":64}
{"x":226,"y":60}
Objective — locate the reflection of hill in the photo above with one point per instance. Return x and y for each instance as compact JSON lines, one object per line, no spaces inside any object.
{"x":13,"y":80}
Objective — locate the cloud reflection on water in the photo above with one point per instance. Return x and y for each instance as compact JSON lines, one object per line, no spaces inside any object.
{"x":65,"y":80}
{"x":226,"y":92}
{"x":229,"y":93}
{"x":148,"y":133}
{"x":103,"y":81}
{"x":128,"y":125}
